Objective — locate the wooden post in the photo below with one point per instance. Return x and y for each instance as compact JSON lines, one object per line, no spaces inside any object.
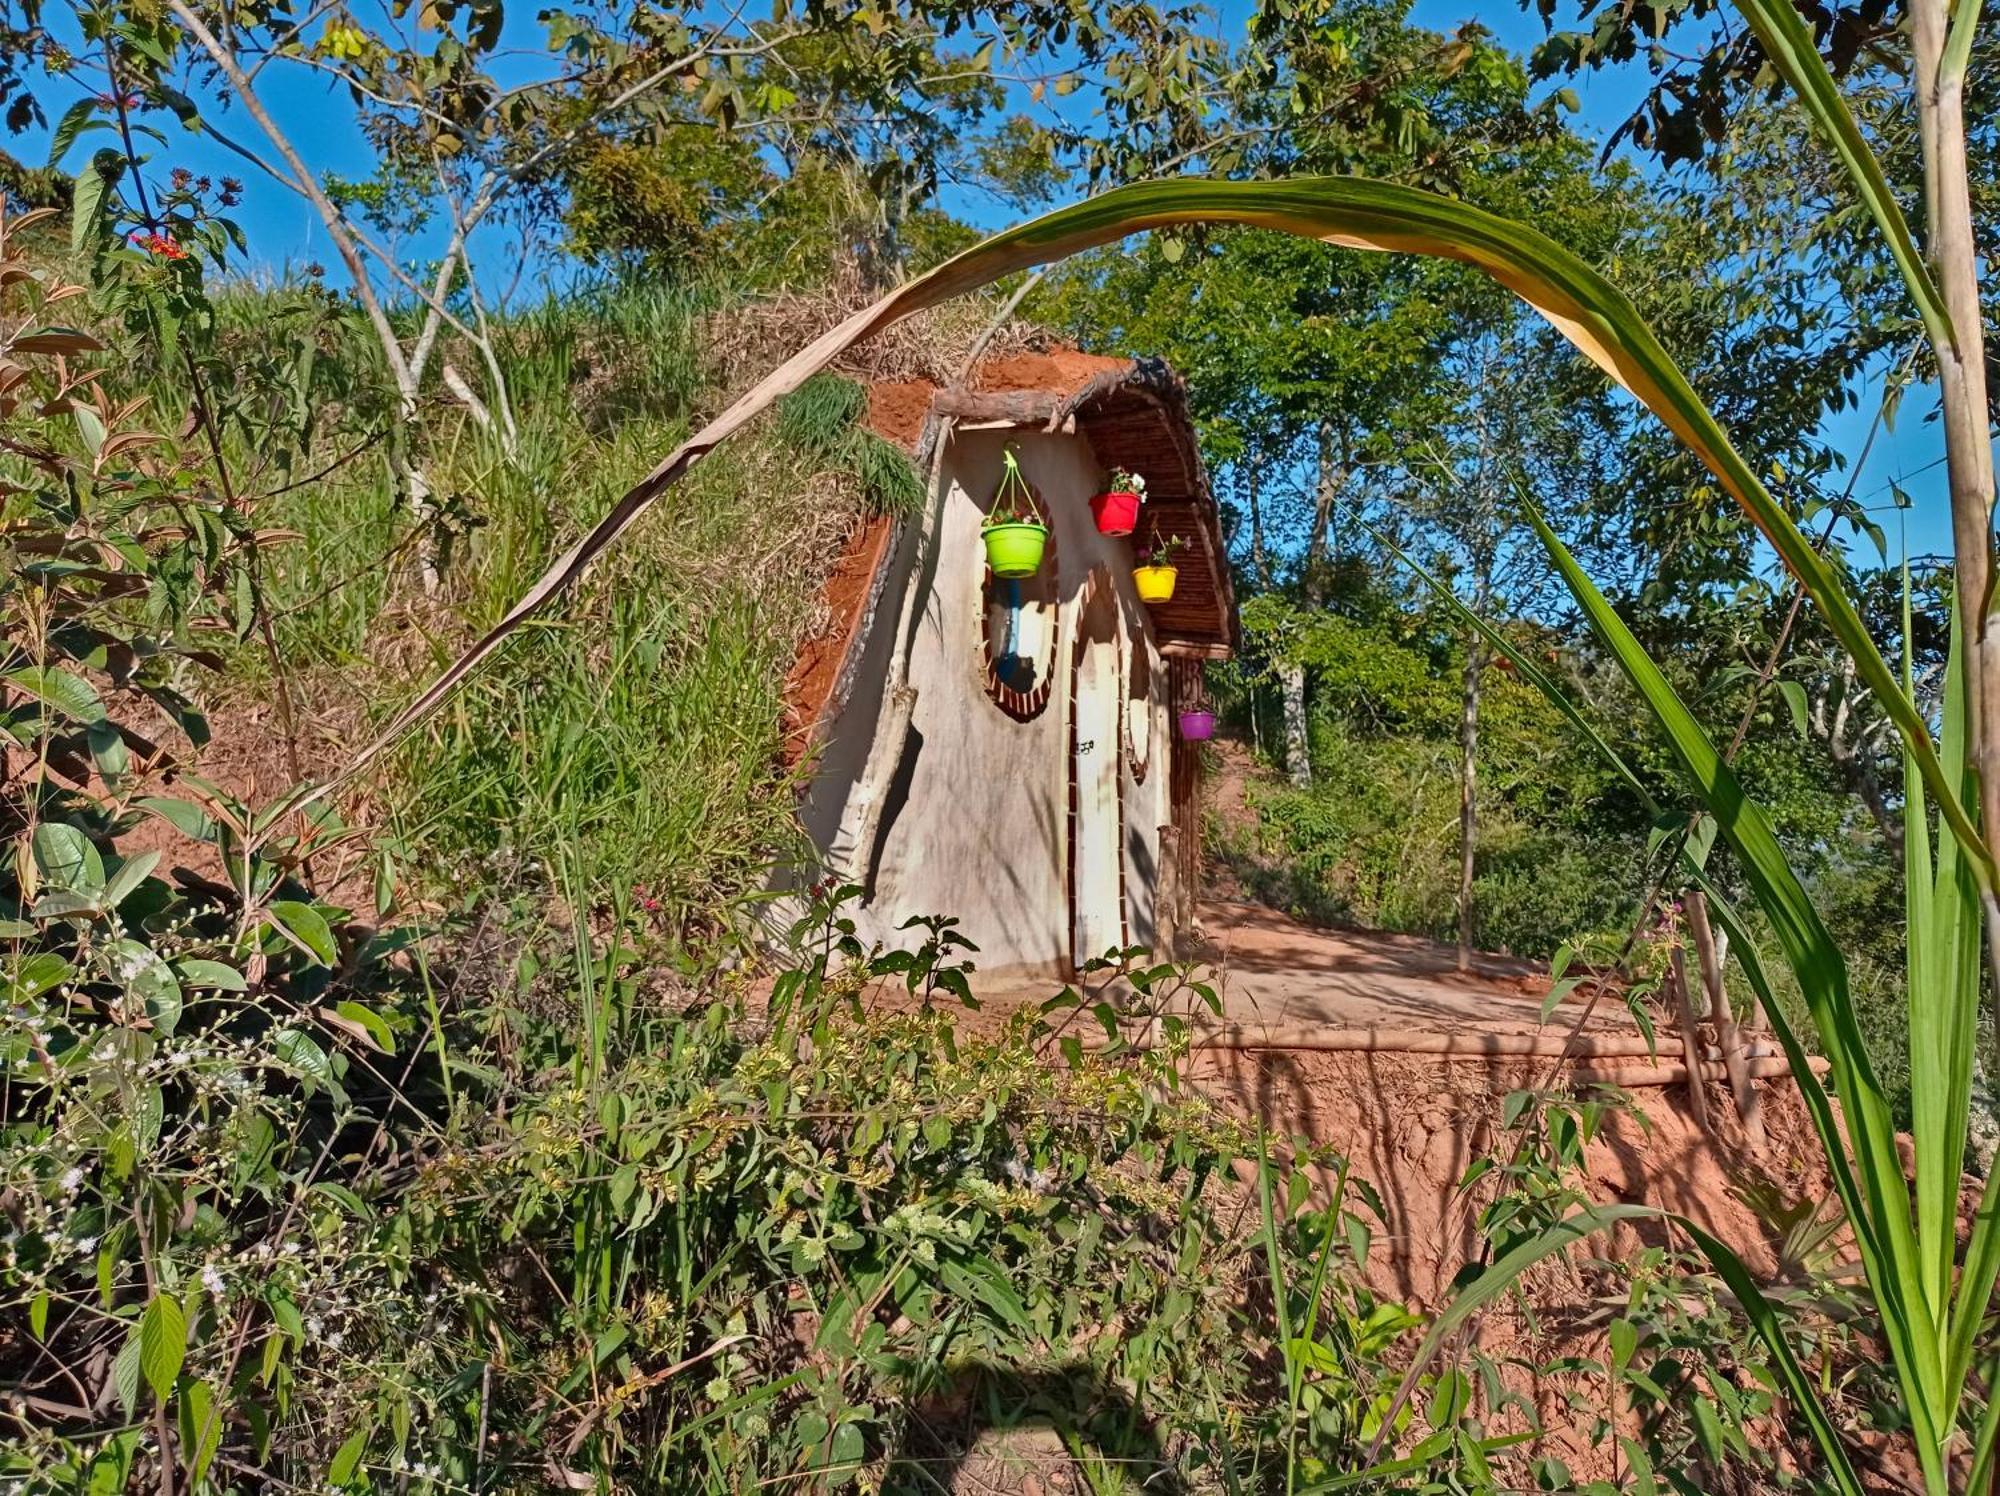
{"x":1167,"y":895}
{"x":1726,"y":1033}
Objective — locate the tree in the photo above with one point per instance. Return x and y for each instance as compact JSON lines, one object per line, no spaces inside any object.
{"x":1312,"y":364}
{"x":474,"y":137}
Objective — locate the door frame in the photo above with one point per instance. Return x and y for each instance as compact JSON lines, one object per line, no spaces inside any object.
{"x":1098,"y":593}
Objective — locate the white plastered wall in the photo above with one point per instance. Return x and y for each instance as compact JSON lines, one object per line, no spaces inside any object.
{"x":976,"y":823}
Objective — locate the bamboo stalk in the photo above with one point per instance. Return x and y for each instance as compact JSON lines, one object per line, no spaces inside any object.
{"x":1411,"y":1041}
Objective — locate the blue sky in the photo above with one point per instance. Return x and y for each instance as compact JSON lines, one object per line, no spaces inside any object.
{"x":1911,"y":454}
{"x":284,"y":232}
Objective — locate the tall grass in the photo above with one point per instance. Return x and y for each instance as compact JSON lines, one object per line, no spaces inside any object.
{"x":641,"y":725}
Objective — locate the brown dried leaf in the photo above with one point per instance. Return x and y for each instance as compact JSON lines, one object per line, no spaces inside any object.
{"x":57,"y":340}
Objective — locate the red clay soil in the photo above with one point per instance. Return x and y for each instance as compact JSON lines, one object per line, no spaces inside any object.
{"x":823,"y":656}
{"x":1278,"y":972}
{"x":1061,"y":370}
{"x":896,"y":410}
{"x":1412,"y":1124}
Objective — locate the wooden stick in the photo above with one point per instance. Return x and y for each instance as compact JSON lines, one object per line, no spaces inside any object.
{"x":1413,"y":1041}
{"x":1726,"y":1032}
{"x":1167,"y":925}
{"x":1677,"y":988}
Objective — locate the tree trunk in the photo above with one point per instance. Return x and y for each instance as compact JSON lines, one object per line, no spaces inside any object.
{"x":1468,"y":797}
{"x":1167,"y":896}
{"x":1260,"y":559}
{"x":1298,"y":749}
{"x":413,"y":488}
{"x":1677,"y":993}
{"x":1332,"y":478}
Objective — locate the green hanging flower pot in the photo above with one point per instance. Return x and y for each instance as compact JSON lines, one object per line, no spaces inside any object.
{"x":1015,"y":535}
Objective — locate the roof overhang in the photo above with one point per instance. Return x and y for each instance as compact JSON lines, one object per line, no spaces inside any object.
{"x":1134,"y":414}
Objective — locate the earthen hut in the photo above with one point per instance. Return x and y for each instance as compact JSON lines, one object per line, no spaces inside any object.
{"x":1007,"y":751}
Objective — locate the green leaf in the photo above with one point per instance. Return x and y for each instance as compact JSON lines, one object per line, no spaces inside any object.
{"x":60,"y":691}
{"x":86,"y":204}
{"x":376,"y":1025}
{"x":89,"y":427}
{"x":1795,"y":698}
{"x":982,"y":1279}
{"x":67,"y":858}
{"x":143,"y":972}
{"x":189,"y":819}
{"x":107,"y":748}
{"x":195,"y":972}
{"x":125,"y":1374}
{"x":1624,"y":1338}
{"x":131,"y":873}
{"x":201,"y":1429}
{"x":63,"y":903}
{"x":69,"y":127}
{"x":162,"y":1343}
{"x":347,"y":1459}
{"x":298,"y":1052}
{"x":847,"y":1448}
{"x":306,"y":928}
{"x":36,"y":974}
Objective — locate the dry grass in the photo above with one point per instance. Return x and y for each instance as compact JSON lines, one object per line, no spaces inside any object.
{"x":745,"y":341}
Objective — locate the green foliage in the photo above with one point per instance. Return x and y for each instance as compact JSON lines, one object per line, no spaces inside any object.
{"x":1675,"y":1384}
{"x":823,"y":419}
{"x":529,"y":1211}
{"x":1370,"y":840}
{"x":1933,"y":1318}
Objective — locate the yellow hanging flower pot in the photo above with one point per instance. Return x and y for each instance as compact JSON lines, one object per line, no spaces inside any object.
{"x":1155,"y":574}
{"x":1155,"y":583}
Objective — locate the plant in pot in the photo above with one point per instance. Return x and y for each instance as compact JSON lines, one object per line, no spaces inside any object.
{"x":1155,"y":574}
{"x":1116,"y":510}
{"x":1197,"y":723}
{"x":1013,"y":530}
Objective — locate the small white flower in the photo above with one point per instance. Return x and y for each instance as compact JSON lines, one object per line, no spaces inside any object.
{"x":211,"y":1279}
{"x":86,"y":1244}
{"x":72,"y":1181}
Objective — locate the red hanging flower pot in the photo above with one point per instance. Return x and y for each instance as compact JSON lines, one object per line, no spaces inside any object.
{"x":1198,"y":726}
{"x":1116,"y":510}
{"x":1116,"y":513}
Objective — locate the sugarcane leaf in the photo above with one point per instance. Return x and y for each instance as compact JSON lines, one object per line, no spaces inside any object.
{"x":1788,"y":44}
{"x":1883,"y":1227}
{"x":1352,"y":212}
{"x":1764,"y":1320}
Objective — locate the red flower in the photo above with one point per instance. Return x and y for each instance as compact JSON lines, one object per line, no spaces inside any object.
{"x":163,"y":245}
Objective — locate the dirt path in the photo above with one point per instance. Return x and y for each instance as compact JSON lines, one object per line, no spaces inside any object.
{"x":1278,"y":972}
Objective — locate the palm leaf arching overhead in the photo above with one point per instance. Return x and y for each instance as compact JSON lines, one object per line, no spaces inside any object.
{"x":1348,"y":211}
